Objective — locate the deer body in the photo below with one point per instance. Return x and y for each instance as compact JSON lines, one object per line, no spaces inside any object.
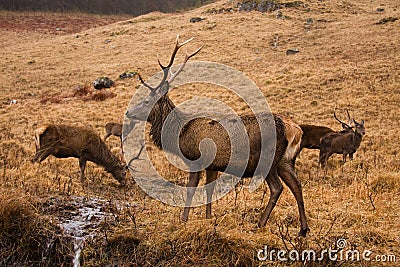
{"x":157,"y":106}
{"x":312,"y":135}
{"x":345,"y":142}
{"x":113,"y":128}
{"x":64,"y":141}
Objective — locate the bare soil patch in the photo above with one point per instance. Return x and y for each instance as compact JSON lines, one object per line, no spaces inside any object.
{"x":53,"y":22}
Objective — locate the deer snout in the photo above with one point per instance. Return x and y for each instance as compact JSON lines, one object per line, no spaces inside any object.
{"x":129,"y":115}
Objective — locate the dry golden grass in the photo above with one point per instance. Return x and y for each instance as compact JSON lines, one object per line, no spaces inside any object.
{"x":345,"y":60}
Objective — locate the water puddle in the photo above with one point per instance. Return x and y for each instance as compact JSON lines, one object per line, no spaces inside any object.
{"x":80,"y":218}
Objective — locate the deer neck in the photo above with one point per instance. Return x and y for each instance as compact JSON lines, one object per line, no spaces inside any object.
{"x":164,"y":109}
{"x":357,"y":139}
{"x":108,"y":160}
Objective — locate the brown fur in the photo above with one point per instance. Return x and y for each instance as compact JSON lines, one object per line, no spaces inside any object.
{"x":312,"y":135}
{"x":345,"y":142}
{"x":157,"y":106}
{"x":113,"y":128}
{"x":64,"y":141}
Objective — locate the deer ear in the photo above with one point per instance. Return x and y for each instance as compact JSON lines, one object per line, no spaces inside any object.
{"x":362,"y":122}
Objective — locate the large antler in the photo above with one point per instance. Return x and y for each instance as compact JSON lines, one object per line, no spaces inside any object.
{"x":344,"y":125}
{"x":167,"y":68}
{"x":187,"y":57}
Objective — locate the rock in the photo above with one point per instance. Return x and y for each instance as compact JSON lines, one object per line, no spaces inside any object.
{"x":196,"y":19}
{"x":102,"y":82}
{"x":292,"y":51}
{"x":127,"y":74}
{"x":380,"y":9}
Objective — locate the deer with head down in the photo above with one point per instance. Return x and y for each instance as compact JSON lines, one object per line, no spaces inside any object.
{"x":63,"y":141}
{"x":345,"y":142}
{"x":157,"y":106}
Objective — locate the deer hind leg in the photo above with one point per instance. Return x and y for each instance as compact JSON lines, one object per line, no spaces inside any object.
{"x":82,"y":166}
{"x":194,"y":178}
{"x":286,"y":171}
{"x":211,"y":176}
{"x":275,"y":187}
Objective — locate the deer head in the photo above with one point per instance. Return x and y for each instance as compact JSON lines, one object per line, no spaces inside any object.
{"x":141,"y":110}
{"x":360,"y":128}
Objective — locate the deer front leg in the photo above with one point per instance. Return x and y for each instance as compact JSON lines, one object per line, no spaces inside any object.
{"x":82,"y":166}
{"x":193,"y":182}
{"x":351,"y":156}
{"x":275,"y":187}
{"x":211,"y":176}
{"x":344,"y":157}
{"x":322,"y":158}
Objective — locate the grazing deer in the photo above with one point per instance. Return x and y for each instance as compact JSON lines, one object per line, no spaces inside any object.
{"x":64,"y":141}
{"x":157,"y":106}
{"x":345,"y":142}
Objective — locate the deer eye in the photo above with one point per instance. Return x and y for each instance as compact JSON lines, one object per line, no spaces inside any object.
{"x":146,"y":102}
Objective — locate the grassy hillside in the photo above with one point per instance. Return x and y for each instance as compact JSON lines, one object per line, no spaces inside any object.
{"x":348,"y":57}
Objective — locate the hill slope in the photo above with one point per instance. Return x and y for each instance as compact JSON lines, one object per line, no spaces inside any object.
{"x":346,"y":58}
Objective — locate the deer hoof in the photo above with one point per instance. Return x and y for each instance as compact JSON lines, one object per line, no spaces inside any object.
{"x":303,"y":232}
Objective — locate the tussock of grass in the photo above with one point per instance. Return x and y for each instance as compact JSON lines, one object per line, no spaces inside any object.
{"x":188,"y":246}
{"x":26,"y":238}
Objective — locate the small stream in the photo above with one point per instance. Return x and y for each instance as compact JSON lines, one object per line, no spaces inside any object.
{"x":80,"y":217}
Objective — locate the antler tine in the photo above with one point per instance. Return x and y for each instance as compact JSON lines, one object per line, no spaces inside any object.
{"x":177,"y":46}
{"x":348,"y":116}
{"x":187,"y":57}
{"x":343,"y":123}
{"x":145,"y":84}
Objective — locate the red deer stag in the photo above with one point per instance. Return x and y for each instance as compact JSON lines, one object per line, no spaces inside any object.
{"x":345,"y":142}
{"x":64,"y":141}
{"x":157,"y":106}
{"x":312,"y":134}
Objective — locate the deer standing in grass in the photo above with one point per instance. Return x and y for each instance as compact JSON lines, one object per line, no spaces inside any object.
{"x":118,"y":130}
{"x":345,"y":142}
{"x":63,"y":141}
{"x":312,"y":134}
{"x":157,"y":106}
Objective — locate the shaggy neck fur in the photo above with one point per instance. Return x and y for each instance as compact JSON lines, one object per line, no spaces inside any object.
{"x":357,"y":140}
{"x":111,"y":164}
{"x":157,"y":117}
